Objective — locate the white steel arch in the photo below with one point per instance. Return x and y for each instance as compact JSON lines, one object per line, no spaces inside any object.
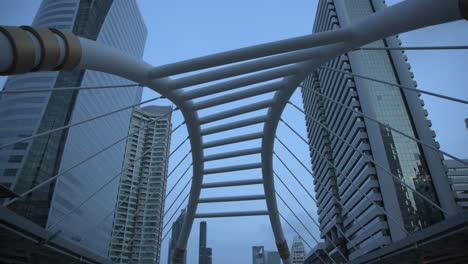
{"x":291,"y":59}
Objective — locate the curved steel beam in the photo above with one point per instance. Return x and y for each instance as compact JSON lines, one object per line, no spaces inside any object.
{"x":137,"y":71}
{"x":269,"y":132}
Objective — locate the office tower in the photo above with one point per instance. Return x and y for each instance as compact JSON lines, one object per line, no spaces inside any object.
{"x":272,"y":257}
{"x":339,"y":168}
{"x":136,"y":233}
{"x":297,"y":251}
{"x":204,"y":253}
{"x":176,"y":229}
{"x":209,"y":255}
{"x":457,"y":173}
{"x":258,"y":255}
{"x":202,"y":243}
{"x":116,"y":23}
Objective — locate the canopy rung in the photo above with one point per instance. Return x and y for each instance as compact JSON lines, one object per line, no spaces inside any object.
{"x":234,"y":125}
{"x":237,"y":111}
{"x":224,"y":99}
{"x":242,"y":82}
{"x":232,"y":199}
{"x":233,"y":168}
{"x":232,"y":140}
{"x":231,"y":214}
{"x":233,"y":154}
{"x":232,"y":183}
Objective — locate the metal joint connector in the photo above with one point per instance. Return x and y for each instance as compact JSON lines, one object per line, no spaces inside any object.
{"x":283,"y":249}
{"x":50,"y":48}
{"x":178,"y":256}
{"x":39,"y":49}
{"x":24,"y":53}
{"x":72,"y":50}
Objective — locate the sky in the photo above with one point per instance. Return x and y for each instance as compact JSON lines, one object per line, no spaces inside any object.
{"x":179,"y":30}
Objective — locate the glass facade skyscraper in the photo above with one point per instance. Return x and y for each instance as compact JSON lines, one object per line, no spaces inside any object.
{"x":340,"y":169}
{"x":116,"y":23}
{"x":258,"y":255}
{"x":137,"y":228}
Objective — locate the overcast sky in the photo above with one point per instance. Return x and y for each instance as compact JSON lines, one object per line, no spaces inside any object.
{"x":180,"y":30}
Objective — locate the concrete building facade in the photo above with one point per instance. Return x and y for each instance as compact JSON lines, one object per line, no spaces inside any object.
{"x":297,"y":251}
{"x":457,"y":173}
{"x":340,"y":168}
{"x":137,"y":228}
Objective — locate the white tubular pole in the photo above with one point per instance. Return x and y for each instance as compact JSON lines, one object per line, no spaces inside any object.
{"x":231,"y":214}
{"x":252,"y":52}
{"x":232,"y":198}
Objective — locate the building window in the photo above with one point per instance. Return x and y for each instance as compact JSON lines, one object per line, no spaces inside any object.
{"x":10,"y":172}
{"x":15,"y":158}
{"x":20,"y":146}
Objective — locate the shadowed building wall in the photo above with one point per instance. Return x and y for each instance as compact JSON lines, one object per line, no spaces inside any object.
{"x":116,"y":23}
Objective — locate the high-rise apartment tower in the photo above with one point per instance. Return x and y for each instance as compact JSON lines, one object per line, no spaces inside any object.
{"x":137,"y":229}
{"x":297,"y":251}
{"x":340,"y":167}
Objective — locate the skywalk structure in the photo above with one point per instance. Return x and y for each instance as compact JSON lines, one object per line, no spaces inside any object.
{"x":283,"y":64}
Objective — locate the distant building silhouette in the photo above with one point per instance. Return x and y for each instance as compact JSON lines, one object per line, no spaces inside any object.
{"x":204,"y":253}
{"x":297,"y":251}
{"x":176,"y":229}
{"x":272,"y":257}
{"x":260,"y":256}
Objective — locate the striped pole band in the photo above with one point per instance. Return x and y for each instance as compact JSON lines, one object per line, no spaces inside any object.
{"x":41,"y":49}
